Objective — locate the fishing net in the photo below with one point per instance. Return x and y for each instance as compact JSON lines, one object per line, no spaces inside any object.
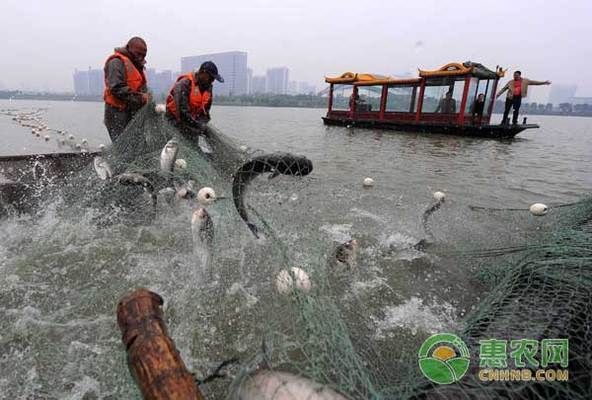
{"x":355,"y":329}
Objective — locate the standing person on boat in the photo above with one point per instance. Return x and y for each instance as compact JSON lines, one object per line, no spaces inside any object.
{"x":189,"y":101}
{"x":477,"y":109}
{"x":126,"y":89}
{"x":517,"y":89}
{"x":447,"y":105}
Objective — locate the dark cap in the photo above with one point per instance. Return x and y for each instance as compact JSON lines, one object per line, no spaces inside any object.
{"x":211,"y":69}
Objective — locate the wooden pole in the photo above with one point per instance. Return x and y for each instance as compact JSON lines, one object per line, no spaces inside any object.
{"x":153,"y":358}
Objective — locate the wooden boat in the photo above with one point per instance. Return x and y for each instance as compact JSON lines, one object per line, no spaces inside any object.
{"x":439,"y":101}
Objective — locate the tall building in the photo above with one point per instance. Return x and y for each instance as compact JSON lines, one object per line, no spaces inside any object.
{"x":232,"y":65}
{"x":277,"y":80}
{"x":258,"y":84}
{"x":89,"y":83}
{"x":159,"y":82}
{"x":249,"y":80}
{"x":562,"y":93}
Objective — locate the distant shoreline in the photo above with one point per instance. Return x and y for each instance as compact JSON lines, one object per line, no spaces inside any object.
{"x":268,"y":100}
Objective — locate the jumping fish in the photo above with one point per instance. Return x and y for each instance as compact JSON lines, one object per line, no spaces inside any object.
{"x":102,"y":168}
{"x":168,"y":156}
{"x":202,"y":227}
{"x":345,"y":254}
{"x":135,"y":179}
{"x":278,"y":163}
{"x":435,"y":206}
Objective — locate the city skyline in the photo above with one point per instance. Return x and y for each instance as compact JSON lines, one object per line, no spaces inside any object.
{"x":389,"y":37}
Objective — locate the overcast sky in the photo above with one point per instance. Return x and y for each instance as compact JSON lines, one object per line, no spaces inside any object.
{"x":43,"y":41}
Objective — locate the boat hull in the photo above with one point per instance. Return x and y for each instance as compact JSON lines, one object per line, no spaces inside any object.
{"x":482,"y":131}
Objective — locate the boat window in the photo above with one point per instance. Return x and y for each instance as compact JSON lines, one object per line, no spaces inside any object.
{"x":485,"y":87}
{"x":399,"y":99}
{"x":474,"y":88}
{"x":341,"y":96}
{"x":369,"y":98}
{"x":443,"y":98}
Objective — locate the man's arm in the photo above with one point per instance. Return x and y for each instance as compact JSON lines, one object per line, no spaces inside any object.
{"x":117,"y":83}
{"x":506,"y":87}
{"x":533,"y":82}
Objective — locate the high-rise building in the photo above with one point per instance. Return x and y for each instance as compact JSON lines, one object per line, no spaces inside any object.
{"x":160,"y":83}
{"x":232,"y":65}
{"x":258,"y":84}
{"x":89,"y":83}
{"x":249,"y":80}
{"x":562,"y":93}
{"x":277,"y":80}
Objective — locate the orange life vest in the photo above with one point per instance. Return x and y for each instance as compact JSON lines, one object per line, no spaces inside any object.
{"x":198,"y":100}
{"x":136,"y":80}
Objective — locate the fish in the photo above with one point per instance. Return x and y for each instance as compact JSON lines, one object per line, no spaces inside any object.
{"x":185,"y":191}
{"x":275,"y":164}
{"x":168,"y":156}
{"x":435,"y":206}
{"x":202,"y":227}
{"x":102,"y":168}
{"x":345,"y":254}
{"x":135,"y":179}
{"x":278,"y":385}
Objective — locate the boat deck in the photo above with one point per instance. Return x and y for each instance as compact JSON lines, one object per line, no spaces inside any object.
{"x":484,"y":131}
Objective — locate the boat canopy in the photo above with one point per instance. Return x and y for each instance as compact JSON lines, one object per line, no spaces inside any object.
{"x":450,"y":69}
{"x":363,"y":79}
{"x":466,"y":68}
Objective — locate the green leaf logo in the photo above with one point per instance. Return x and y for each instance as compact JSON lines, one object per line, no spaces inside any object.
{"x":444,"y":358}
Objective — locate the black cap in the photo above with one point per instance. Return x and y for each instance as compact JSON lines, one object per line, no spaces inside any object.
{"x":211,"y":69}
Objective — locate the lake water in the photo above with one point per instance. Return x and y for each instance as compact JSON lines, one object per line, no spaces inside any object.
{"x":60,"y":278}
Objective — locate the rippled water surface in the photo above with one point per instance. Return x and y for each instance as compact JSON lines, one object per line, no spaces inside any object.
{"x":61,"y":276}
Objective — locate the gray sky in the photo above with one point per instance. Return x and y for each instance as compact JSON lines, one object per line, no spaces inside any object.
{"x":43,"y":41}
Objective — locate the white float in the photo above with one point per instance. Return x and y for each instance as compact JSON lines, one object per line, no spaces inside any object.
{"x":180,"y":163}
{"x":206,"y":196}
{"x":439,"y":196}
{"x":368,"y":182}
{"x":538,"y":209}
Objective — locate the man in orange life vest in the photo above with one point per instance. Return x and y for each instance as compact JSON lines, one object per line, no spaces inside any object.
{"x":125,"y":85}
{"x":189,"y":101}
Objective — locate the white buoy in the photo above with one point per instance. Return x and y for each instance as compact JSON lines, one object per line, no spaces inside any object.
{"x":180,"y":163}
{"x":439,"y":196}
{"x":47,"y":138}
{"x":160,"y":108}
{"x":243,"y":148}
{"x":71,"y":137}
{"x":102,"y":147}
{"x":78,"y":146}
{"x":206,"y":196}
{"x":368,"y":182}
{"x":33,"y":131}
{"x":538,"y":209}
{"x":296,"y":278}
{"x":84,"y":141}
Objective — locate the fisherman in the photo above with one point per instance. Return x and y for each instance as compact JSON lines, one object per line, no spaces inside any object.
{"x":189,"y":101}
{"x":126,"y":88}
{"x":477,"y":109}
{"x":517,"y":89}
{"x":447,"y":105}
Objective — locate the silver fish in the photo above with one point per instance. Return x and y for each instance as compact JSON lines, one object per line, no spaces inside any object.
{"x":102,"y":168}
{"x":277,"y":385}
{"x":202,"y":227}
{"x":168,"y":156}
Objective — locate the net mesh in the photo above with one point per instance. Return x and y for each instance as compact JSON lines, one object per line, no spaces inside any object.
{"x":530,"y":277}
